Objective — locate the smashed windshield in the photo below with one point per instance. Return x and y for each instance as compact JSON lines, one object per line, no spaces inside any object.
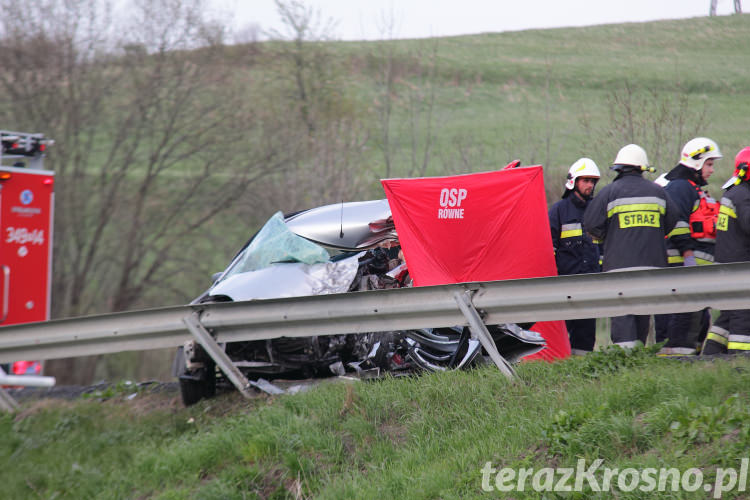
{"x":276,"y":243}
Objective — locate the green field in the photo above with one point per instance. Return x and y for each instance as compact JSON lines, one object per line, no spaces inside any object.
{"x":544,"y":95}
{"x":541,"y":96}
{"x":411,"y":438}
{"x":399,"y":108}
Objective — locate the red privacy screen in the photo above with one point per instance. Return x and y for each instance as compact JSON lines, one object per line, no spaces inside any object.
{"x":478,"y":227}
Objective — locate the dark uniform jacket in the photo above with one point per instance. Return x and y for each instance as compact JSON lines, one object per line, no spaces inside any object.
{"x":632,"y":215}
{"x":575,"y":253}
{"x":686,"y":195}
{"x":733,"y":226}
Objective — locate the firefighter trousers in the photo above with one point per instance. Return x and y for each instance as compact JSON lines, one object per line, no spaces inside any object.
{"x":730,"y":333}
{"x":582,"y":334}
{"x":628,"y":329}
{"x":684,"y":332}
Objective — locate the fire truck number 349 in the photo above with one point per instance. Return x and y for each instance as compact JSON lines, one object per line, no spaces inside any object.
{"x":22,"y":236}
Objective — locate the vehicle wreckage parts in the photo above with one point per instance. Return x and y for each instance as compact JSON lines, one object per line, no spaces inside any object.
{"x":7,"y":402}
{"x":432,"y":350}
{"x":200,"y":361}
{"x":214,"y":350}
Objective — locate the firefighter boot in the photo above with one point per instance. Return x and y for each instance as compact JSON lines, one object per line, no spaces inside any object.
{"x":716,"y":341}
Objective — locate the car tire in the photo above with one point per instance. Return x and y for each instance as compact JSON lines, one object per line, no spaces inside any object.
{"x":198,"y":384}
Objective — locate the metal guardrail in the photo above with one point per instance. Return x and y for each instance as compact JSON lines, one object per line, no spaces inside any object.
{"x":7,"y":403}
{"x":27,"y":380}
{"x":721,"y":286}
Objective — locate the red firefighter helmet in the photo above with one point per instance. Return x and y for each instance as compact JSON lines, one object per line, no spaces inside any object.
{"x":741,"y":168}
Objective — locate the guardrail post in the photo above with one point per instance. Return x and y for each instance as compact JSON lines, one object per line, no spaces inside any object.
{"x":214,"y":350}
{"x":7,"y":402}
{"x":480,"y":332}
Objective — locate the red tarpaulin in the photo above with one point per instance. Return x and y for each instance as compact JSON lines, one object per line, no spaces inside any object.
{"x":478,"y":227}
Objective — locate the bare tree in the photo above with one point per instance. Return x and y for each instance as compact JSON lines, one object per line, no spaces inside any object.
{"x":318,"y":120}
{"x":660,"y":122}
{"x":152,"y":137}
{"x":407,"y":85}
{"x":307,"y":60}
{"x":155,"y":137}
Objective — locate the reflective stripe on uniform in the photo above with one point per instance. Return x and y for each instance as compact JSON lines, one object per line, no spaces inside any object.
{"x":727,"y":211}
{"x":627,"y":344}
{"x":739,"y":342}
{"x":676,"y":351}
{"x":637,"y":203}
{"x":729,"y":205}
{"x":674,"y":256}
{"x":681,"y":227}
{"x":716,"y":338}
{"x":720,"y":331}
{"x":571,"y":230}
{"x":703,"y":258}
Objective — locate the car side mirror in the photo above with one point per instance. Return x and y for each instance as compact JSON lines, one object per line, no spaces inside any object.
{"x":215,"y":277}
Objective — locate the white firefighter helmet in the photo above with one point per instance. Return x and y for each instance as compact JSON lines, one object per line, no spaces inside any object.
{"x":584,"y":167}
{"x":697,"y":151}
{"x":631,"y":155}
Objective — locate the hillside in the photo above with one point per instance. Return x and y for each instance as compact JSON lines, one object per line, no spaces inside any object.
{"x":547,"y":96}
{"x":167,"y":162}
{"x":407,"y":108}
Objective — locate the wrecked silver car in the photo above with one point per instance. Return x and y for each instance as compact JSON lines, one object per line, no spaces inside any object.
{"x":337,"y":248}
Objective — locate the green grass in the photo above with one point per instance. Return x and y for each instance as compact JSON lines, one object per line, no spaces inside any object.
{"x":422,"y":437}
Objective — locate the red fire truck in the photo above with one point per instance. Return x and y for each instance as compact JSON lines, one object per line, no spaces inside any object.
{"x":26,"y":213}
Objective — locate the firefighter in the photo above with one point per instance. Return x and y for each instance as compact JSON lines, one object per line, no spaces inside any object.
{"x":692,"y":240}
{"x":731,"y":331}
{"x":575,"y":252}
{"x":632,"y":216}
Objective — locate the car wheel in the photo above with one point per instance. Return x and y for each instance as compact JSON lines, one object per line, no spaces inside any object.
{"x":198,"y":384}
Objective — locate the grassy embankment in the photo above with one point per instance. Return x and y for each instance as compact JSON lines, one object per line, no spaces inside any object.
{"x":423,"y":437}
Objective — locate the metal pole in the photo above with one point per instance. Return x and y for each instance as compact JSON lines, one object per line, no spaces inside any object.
{"x":27,"y":380}
{"x":479,"y":331}
{"x":217,"y":354}
{"x":7,"y":402}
